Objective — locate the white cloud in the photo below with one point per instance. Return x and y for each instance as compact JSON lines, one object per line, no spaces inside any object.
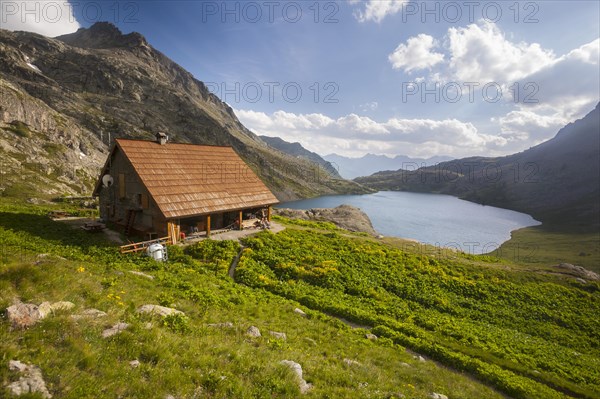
{"x":481,"y":53}
{"x":559,"y":93}
{"x":416,"y":54}
{"x":355,"y":135}
{"x":571,"y":83}
{"x":478,"y":53}
{"x":589,"y":53}
{"x":52,"y":18}
{"x":377,"y":10}
{"x":353,"y":125}
{"x":541,"y":92}
{"x":532,"y":125}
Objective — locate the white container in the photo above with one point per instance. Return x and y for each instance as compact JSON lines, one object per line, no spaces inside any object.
{"x":156,"y":252}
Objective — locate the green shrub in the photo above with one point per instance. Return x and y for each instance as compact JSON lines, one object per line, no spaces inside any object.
{"x":177,"y":323}
{"x":484,"y":321}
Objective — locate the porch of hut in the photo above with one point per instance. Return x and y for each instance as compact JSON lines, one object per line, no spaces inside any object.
{"x":203,"y":226}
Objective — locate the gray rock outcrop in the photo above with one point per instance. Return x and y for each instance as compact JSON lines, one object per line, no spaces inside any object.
{"x":134,"y":364}
{"x":278,"y":335}
{"x":300,"y":312}
{"x":253,"y":332}
{"x":30,"y":380}
{"x":578,"y":271}
{"x":344,"y":216}
{"x":158,"y":310}
{"x":24,"y":315}
{"x":297,"y":370}
{"x":114,"y":330}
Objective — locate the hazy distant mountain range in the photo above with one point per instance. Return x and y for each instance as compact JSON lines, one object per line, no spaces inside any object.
{"x":351,"y":168}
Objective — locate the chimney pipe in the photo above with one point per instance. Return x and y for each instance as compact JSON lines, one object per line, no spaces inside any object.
{"x":161,"y":138}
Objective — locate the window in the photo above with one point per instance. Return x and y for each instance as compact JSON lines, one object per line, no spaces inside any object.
{"x":142,"y":200}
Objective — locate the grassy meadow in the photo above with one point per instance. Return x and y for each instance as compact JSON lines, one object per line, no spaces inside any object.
{"x":541,"y":246}
{"x":485,"y":326}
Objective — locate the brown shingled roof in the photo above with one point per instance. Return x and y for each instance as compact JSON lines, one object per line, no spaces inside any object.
{"x":188,"y":180}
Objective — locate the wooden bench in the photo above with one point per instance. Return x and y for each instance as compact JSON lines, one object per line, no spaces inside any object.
{"x":93,"y":227}
{"x":249,"y":224}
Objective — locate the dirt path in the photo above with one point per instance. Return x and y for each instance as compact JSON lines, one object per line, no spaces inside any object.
{"x":235,"y":262}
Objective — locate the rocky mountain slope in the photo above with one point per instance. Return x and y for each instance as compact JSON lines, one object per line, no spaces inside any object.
{"x":296,"y":150}
{"x":556,"y":181}
{"x":63,"y":99}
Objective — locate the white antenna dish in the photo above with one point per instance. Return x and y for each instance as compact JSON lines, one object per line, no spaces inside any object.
{"x":107,"y":180}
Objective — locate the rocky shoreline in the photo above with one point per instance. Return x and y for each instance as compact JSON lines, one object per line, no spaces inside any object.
{"x":344,"y":216}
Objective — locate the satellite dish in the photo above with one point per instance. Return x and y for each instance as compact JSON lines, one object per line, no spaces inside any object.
{"x":107,"y":180}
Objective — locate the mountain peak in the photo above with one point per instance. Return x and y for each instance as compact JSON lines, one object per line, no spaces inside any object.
{"x":105,"y":27}
{"x":103,"y":35}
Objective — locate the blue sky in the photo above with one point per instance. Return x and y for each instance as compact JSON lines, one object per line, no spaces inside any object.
{"x":386,"y":77}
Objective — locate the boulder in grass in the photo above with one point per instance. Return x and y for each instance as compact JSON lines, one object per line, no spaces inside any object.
{"x":578,"y":271}
{"x":114,"y":330}
{"x":30,"y":380}
{"x":47,"y":308}
{"x":22,"y":315}
{"x":25,"y":315}
{"x":297,"y":370}
{"x":253,"y":332}
{"x":158,"y":310}
{"x":278,"y":335}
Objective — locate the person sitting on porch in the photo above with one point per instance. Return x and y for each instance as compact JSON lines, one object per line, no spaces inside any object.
{"x":264,"y":223}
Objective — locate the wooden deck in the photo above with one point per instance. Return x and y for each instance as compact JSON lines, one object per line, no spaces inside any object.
{"x":233,"y":234}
